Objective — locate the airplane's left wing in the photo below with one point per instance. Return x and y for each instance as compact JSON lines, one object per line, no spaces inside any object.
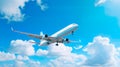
{"x":28,"y":34}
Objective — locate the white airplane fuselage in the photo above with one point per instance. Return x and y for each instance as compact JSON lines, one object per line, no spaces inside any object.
{"x":63,"y":32}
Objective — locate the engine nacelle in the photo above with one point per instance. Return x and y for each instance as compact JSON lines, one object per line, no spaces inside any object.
{"x":66,"y":40}
{"x":45,"y":35}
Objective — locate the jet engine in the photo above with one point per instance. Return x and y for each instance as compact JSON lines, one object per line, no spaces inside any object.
{"x":66,"y":40}
{"x":45,"y":35}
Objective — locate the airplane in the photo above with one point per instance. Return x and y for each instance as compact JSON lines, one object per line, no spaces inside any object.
{"x":55,"y":38}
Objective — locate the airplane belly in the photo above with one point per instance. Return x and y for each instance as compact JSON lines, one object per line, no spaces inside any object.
{"x":43,"y":43}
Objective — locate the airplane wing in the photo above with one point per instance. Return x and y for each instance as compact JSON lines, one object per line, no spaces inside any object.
{"x":49,"y":39}
{"x":28,"y":34}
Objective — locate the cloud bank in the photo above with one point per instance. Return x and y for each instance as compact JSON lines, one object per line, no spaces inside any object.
{"x":6,"y":56}
{"x":99,"y":53}
{"x":102,"y":53}
{"x":22,"y":47}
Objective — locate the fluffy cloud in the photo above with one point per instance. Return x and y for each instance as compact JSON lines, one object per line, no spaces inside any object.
{"x":6,"y":56}
{"x":42,"y":6}
{"x":72,"y":60}
{"x":22,"y":47}
{"x":12,"y":60}
{"x":41,"y":52}
{"x":17,"y":63}
{"x":19,"y":57}
{"x":33,"y":64}
{"x":11,"y":9}
{"x":28,"y":63}
{"x":60,"y":50}
{"x":63,"y":56}
{"x":102,"y":53}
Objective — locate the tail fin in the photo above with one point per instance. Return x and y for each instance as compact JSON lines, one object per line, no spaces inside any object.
{"x":41,"y":34}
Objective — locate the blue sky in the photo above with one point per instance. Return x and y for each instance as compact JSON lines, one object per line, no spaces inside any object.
{"x":99,"y":32}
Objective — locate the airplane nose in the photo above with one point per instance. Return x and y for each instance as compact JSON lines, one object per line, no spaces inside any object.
{"x":74,"y":24}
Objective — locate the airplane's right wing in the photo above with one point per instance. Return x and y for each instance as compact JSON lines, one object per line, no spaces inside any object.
{"x":28,"y":34}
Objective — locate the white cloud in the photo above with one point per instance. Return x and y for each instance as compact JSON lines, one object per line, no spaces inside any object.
{"x":22,"y":47}
{"x":19,"y":57}
{"x":19,"y":64}
{"x":10,"y":60}
{"x":72,"y":60}
{"x":42,"y":6}
{"x":99,"y":49}
{"x":102,"y":53}
{"x":11,"y":9}
{"x":41,"y":52}
{"x":28,"y":63}
{"x":63,"y":56}
{"x":34,"y":64}
{"x":6,"y":56}
{"x":60,"y":50}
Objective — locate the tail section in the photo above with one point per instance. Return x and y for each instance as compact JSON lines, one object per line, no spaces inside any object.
{"x":41,"y":34}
